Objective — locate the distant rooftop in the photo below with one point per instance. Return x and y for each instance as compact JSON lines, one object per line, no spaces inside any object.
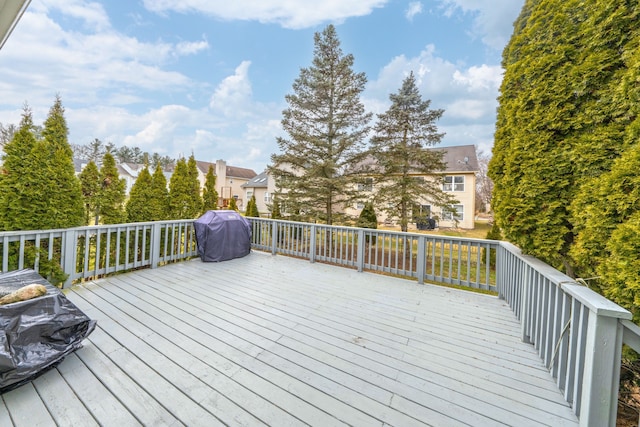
{"x":259,"y":181}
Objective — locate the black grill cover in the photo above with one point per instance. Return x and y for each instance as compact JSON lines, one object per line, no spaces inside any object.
{"x":36,"y":334}
{"x":222,"y":235}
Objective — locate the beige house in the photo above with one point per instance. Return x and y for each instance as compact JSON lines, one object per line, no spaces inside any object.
{"x":459,"y":179}
{"x":262,"y":187}
{"x":229,"y":181}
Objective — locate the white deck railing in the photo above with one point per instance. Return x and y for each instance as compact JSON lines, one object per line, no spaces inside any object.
{"x":577,"y":332}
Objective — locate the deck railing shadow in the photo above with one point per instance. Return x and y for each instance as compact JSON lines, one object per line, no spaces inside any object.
{"x":577,"y":333}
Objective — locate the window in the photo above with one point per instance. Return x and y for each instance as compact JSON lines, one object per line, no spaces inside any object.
{"x":267,"y":197}
{"x":360,"y":205}
{"x":457,"y":216}
{"x":366,"y":186}
{"x":249,"y":194}
{"x":453,"y":183}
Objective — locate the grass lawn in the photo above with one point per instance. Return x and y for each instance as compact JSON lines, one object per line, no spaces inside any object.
{"x":479,"y":232}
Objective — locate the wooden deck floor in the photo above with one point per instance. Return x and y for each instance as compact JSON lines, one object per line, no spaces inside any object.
{"x":266,"y":340}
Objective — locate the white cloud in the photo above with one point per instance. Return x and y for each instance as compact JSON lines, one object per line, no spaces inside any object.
{"x":234,"y":93}
{"x":92,"y":63}
{"x":190,"y":48}
{"x":493,"y":20}
{"x":467,"y":94}
{"x":415,"y":8}
{"x":92,"y":14}
{"x":287,"y":13}
{"x":480,"y":78}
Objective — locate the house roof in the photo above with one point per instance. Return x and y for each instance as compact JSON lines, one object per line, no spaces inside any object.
{"x":235,"y":172}
{"x":258,"y":181}
{"x":460,"y":158}
{"x":10,"y":13}
{"x":232,"y":171}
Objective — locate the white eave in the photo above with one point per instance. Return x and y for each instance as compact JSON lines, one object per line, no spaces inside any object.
{"x":10,"y":13}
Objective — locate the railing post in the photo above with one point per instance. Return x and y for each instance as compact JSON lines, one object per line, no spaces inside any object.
{"x":360,"y":253}
{"x":500,"y":267}
{"x":156,"y":232}
{"x":274,"y":238}
{"x":68,"y":251}
{"x":422,"y":259}
{"x":312,"y":243}
{"x":600,"y":380}
{"x":525,"y":312}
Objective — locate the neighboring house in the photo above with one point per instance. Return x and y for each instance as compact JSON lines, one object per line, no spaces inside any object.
{"x":459,"y":179}
{"x":259,"y":186}
{"x":229,"y":181}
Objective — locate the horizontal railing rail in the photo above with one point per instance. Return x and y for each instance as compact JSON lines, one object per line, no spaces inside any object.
{"x":577,"y":333}
{"x":431,"y":258}
{"x":95,"y":251}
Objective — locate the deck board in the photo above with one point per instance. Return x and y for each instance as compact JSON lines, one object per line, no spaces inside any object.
{"x":266,"y":340}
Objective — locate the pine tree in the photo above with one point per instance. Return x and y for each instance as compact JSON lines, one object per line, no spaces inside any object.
{"x":368,"y":217}
{"x":39,"y":189}
{"x":232,"y":206}
{"x":327,"y":125}
{"x":20,"y":189}
{"x":90,"y":186}
{"x":139,"y":207}
{"x":159,"y":196}
{"x":209,"y":193}
{"x":183,"y":203}
{"x":275,"y":210}
{"x":252,"y":208}
{"x":63,"y":193}
{"x":195,"y":190}
{"x":407,"y":169}
{"x":112,"y":193}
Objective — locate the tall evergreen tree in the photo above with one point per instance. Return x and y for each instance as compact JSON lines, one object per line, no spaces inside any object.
{"x":232,"y":206}
{"x":252,"y":208}
{"x":159,"y":196}
{"x":402,"y":135}
{"x":39,"y":186}
{"x":275,"y":209}
{"x":194,"y":182}
{"x":90,"y":185}
{"x":112,"y":193}
{"x":209,"y":193}
{"x":139,"y":207}
{"x":63,"y":192}
{"x":327,"y":125}
{"x":183,"y":203}
{"x":20,"y":189}
{"x":559,"y":122}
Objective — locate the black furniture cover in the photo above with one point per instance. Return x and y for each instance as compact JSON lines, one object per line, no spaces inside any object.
{"x":36,"y":334}
{"x":222,"y":235}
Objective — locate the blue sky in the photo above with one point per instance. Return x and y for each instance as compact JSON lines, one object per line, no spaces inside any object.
{"x":210,"y":77}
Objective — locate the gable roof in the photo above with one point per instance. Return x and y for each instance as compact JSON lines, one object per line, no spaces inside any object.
{"x":458,"y":159}
{"x":232,"y":171}
{"x":258,"y":181}
{"x":461,"y":158}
